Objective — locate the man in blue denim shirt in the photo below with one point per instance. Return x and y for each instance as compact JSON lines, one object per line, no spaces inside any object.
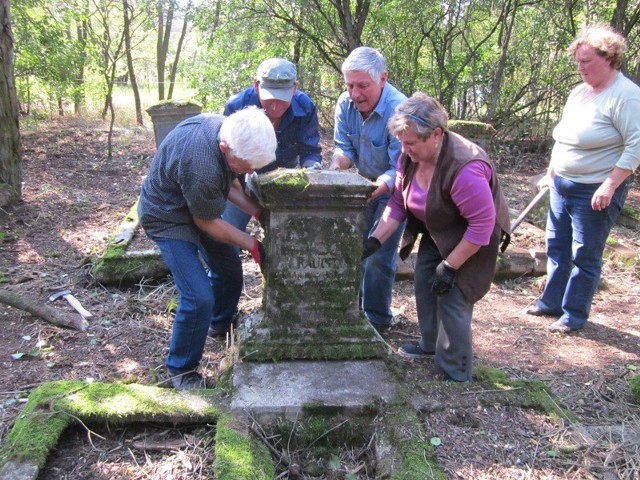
{"x":361,"y":140}
{"x":295,"y":120}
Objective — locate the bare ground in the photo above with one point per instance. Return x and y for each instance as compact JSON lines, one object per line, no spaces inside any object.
{"x":74,"y":197}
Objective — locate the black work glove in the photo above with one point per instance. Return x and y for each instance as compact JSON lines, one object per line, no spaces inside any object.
{"x":443,"y":280}
{"x":370,"y":246}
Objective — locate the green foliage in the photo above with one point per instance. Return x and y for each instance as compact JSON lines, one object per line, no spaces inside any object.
{"x":230,"y":52}
{"x":503,"y":63}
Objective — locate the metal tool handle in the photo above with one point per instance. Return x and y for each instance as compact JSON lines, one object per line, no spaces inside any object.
{"x":73,"y":301}
{"x":543,"y":191}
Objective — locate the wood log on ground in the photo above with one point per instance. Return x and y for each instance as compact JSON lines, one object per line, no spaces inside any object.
{"x":47,"y":314}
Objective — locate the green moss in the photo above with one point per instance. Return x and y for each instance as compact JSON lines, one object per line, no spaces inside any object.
{"x":174,"y":103}
{"x":631,"y":212}
{"x":117,"y":269}
{"x":39,"y":425}
{"x":471,"y":129}
{"x":523,"y":393}
{"x":120,"y":403}
{"x":634,"y":385}
{"x":114,"y":267}
{"x":283,"y":184}
{"x":413,"y":457}
{"x":239,"y":457}
{"x":54,"y":406}
{"x":265,"y":351}
{"x":320,"y":428}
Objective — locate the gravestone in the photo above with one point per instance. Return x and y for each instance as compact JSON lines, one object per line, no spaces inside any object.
{"x":313,"y":240}
{"x":169,"y":113}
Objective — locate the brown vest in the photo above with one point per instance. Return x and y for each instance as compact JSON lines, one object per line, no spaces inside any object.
{"x":444,"y":222}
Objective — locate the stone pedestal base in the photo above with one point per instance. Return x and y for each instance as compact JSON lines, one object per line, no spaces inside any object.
{"x":262,"y":341}
{"x":281,"y":390}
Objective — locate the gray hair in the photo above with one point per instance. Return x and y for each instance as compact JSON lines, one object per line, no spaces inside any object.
{"x":250,"y":136}
{"x":420,"y":113}
{"x":365,"y":59}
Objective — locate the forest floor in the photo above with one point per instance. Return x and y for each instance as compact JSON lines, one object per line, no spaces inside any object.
{"x":73,"y":199}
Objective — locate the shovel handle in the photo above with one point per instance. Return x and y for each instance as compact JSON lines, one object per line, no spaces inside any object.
{"x":75,"y":303}
{"x":543,"y":191}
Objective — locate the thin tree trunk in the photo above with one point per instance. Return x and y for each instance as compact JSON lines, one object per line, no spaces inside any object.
{"x":509,"y":17}
{"x":10,"y":154}
{"x":174,"y":66}
{"x":82,"y":31}
{"x":162,"y":45}
{"x":132,"y":75}
{"x":47,"y":314}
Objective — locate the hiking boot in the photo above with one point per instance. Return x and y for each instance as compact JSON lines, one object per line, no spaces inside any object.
{"x":413,"y":350}
{"x":184,"y":381}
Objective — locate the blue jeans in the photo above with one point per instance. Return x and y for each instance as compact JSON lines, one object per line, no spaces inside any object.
{"x":576,"y":236}
{"x":198,"y":301}
{"x":227,"y":304}
{"x":444,"y":320}
{"x":379,"y":270}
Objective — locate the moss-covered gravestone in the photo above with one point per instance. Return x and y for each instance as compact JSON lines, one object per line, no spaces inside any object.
{"x":313,"y":239}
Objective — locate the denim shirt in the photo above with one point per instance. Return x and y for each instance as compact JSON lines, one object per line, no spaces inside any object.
{"x":298,"y":135}
{"x":367,"y":143}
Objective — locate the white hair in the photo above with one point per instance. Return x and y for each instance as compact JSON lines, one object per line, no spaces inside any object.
{"x":365,"y":59}
{"x":250,"y":136}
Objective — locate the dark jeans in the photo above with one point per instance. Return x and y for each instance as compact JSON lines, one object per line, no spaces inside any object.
{"x":576,"y":236}
{"x":229,"y":278}
{"x":444,"y":320}
{"x":198,"y":302}
{"x":379,"y":270}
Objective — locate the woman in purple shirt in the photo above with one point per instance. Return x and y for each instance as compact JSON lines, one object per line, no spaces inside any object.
{"x":447,"y":190}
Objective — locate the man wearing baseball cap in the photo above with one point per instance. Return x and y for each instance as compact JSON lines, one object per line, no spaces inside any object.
{"x":295,"y":120}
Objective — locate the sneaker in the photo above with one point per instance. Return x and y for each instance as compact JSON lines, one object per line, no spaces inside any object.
{"x":413,"y":350}
{"x":184,"y":381}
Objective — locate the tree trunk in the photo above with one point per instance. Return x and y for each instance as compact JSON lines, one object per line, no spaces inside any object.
{"x":46,"y":313}
{"x":174,"y":65}
{"x":82,"y":31}
{"x":508,"y":20}
{"x":162,"y":45}
{"x":10,"y":155}
{"x":132,"y":75}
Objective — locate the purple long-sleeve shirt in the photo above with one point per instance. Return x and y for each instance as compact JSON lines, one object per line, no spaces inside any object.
{"x":470,"y":192}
